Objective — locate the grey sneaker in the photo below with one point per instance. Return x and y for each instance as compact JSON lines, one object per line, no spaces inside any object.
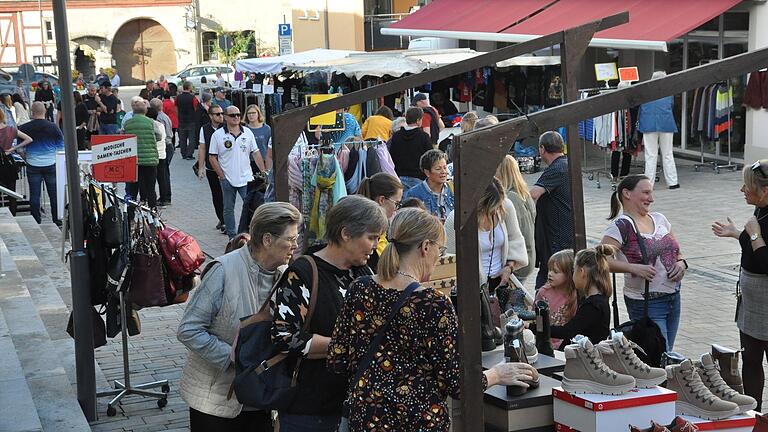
{"x":530,"y":346}
{"x":618,"y":354}
{"x":585,"y":371}
{"x":709,"y":373}
{"x":693,"y":397}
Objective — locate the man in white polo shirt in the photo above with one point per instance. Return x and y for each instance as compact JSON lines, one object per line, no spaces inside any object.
{"x":231,"y":148}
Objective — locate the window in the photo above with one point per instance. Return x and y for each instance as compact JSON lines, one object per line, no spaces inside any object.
{"x":48,"y":26}
{"x":210,"y":45}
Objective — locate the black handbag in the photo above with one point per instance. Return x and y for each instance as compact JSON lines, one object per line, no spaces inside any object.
{"x":99,"y":330}
{"x":263,"y":379}
{"x":95,"y":249}
{"x":644,"y":332}
{"x":112,"y":224}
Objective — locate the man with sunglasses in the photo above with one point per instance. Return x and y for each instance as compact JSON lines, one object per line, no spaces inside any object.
{"x":204,"y":168}
{"x":231,"y":148}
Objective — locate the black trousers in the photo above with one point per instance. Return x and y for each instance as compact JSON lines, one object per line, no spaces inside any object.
{"x":188,"y":139}
{"x":752,"y":367}
{"x":164,"y":180}
{"x":247,"y":421}
{"x":216,"y":196}
{"x":626,"y":162}
{"x":145,"y":187}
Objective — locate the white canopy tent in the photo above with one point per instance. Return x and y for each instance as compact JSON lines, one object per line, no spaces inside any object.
{"x":399,"y":63}
{"x":278,"y":63}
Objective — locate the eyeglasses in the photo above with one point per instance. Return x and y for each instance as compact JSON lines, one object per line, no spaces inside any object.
{"x":217,"y":114}
{"x":442,"y":249}
{"x":233,"y":115}
{"x":757,"y":167}
{"x":398,"y":204}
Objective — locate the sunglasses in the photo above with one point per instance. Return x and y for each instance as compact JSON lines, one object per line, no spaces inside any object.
{"x":398,"y":204}
{"x":757,"y":167}
{"x":234,"y":115}
{"x":217,"y":114}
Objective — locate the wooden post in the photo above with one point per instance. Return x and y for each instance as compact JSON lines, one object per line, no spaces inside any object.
{"x":571,"y":54}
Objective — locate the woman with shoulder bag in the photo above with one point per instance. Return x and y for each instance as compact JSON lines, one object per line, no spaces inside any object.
{"x":234,"y":287}
{"x":400,"y":381}
{"x":664,"y":265}
{"x":752,"y":309}
{"x":9,"y":172}
{"x":353,"y":227}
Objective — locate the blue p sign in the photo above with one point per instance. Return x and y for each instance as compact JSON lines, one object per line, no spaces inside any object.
{"x":284,"y":30}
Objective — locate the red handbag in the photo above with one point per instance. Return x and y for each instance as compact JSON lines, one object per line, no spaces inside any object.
{"x":181,"y":252}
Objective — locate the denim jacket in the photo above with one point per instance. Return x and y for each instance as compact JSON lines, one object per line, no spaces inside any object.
{"x":657,"y":116}
{"x":438,"y":204}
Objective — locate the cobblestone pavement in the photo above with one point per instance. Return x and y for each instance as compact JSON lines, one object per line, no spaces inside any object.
{"x":707,"y":299}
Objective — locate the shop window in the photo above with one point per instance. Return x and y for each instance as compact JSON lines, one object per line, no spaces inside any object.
{"x":48,"y":28}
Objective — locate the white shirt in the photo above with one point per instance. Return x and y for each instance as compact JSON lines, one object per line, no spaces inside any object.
{"x":491,"y":254}
{"x":234,"y":154}
{"x":160,"y":139}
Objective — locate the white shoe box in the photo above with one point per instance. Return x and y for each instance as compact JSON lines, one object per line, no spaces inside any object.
{"x":739,"y":423}
{"x":600,"y":413}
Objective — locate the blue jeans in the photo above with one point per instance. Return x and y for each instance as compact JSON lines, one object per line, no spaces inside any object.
{"x":308,"y":423}
{"x":409,"y":182}
{"x":664,"y":311}
{"x":35,"y":176}
{"x":229,"y":194}
{"x":108,"y":129}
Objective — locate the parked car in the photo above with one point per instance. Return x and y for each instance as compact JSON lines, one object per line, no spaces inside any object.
{"x":30,"y":76}
{"x":7,"y":83}
{"x":195,"y":73}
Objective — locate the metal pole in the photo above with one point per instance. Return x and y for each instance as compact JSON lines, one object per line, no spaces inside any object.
{"x":327,"y":32}
{"x":81,"y":297}
{"x":684,"y":101}
{"x":198,"y":39}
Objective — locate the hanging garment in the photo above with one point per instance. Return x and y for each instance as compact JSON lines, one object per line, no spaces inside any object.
{"x":342,"y":155}
{"x":756,"y":94}
{"x":372,"y":165}
{"x":359,"y":174}
{"x":354,"y":156}
{"x":385,"y":160}
{"x":723,"y":108}
{"x":323,"y":182}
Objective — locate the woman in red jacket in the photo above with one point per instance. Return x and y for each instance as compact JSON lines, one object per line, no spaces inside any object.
{"x":169,"y":108}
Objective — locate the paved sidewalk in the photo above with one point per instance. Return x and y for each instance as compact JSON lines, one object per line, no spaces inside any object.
{"x":707,"y":300}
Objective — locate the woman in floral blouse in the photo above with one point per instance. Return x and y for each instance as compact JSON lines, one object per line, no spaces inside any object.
{"x":354,"y":225}
{"x":405,"y":386}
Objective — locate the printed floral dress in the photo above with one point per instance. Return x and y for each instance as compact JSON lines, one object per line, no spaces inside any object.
{"x":414,"y":370}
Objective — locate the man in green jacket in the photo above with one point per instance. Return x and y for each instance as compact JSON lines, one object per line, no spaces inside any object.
{"x":143,"y":127}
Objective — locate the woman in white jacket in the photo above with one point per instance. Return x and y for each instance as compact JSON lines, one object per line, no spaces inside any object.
{"x":501,"y":244}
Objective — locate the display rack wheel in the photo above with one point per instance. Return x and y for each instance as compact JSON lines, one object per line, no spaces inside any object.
{"x":733,"y":168}
{"x":165,"y":388}
{"x":591,"y":177}
{"x":598,"y":185}
{"x":161,"y":403}
{"x":613,"y":187}
{"x":696,"y":168}
{"x":111,"y":411}
{"x":717,"y":170}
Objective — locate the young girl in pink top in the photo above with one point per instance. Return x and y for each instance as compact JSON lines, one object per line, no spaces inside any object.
{"x":559,"y":292}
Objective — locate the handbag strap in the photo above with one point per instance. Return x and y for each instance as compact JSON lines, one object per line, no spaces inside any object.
{"x":644,"y":255}
{"x":615,"y":303}
{"x":365,"y":361}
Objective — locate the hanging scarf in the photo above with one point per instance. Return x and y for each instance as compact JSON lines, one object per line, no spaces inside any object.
{"x":324,"y":180}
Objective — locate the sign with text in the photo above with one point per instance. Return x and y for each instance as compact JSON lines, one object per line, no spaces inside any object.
{"x":284,"y":39}
{"x":606,"y":71}
{"x":325,"y":119}
{"x":114,"y":158}
{"x":630,"y":74}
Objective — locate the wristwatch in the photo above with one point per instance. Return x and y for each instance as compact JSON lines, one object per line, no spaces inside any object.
{"x":754,"y":237}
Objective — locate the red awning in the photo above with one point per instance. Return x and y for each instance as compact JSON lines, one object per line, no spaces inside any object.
{"x":649,"y":20}
{"x":651,"y":24}
{"x":491,"y":16}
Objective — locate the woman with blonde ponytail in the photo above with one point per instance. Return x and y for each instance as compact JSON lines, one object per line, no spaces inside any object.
{"x":592,"y":278}
{"x":417,"y":362}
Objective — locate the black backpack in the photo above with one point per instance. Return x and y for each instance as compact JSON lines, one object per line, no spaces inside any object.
{"x":643,"y":332}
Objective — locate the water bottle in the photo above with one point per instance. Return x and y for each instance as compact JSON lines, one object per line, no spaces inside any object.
{"x":543,"y":335}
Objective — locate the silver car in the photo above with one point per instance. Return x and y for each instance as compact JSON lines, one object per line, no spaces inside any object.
{"x":195,"y":73}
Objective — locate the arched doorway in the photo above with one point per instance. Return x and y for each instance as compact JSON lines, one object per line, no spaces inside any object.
{"x":143,"y":50}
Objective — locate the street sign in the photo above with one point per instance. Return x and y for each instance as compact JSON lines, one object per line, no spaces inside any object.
{"x":284,"y":39}
{"x":114,"y":158}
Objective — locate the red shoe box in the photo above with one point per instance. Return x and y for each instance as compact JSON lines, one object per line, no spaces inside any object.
{"x":740,"y":423}
{"x":600,"y":413}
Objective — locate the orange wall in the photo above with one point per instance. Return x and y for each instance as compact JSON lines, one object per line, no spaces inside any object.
{"x":345,"y":25}
{"x":402,"y":6}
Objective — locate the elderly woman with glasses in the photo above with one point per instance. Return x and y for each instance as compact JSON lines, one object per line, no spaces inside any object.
{"x":387,"y":191}
{"x":404,"y":383}
{"x":234,"y":286}
{"x":752,"y":309}
{"x":353,"y":228}
{"x":435,"y":191}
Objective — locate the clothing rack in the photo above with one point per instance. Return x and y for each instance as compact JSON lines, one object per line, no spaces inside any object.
{"x":126,"y":388}
{"x":716,"y":167}
{"x":594,"y":174}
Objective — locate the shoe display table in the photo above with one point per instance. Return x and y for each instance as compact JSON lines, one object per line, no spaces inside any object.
{"x":546,"y":365}
{"x":739,"y":423}
{"x":530,"y":412}
{"x":598,"y":413}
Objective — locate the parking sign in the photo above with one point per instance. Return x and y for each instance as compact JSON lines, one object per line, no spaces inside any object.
{"x":284,"y":30}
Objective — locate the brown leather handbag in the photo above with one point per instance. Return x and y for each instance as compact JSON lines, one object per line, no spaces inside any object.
{"x":147,"y":284}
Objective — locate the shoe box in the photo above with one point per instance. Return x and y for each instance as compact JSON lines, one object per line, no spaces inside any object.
{"x":443,"y":278}
{"x":738,"y":423}
{"x":529,"y":412}
{"x":546,"y":365}
{"x":600,"y":413}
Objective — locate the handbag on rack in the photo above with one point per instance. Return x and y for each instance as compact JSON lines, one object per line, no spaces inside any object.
{"x":181,"y":252}
{"x":147,"y":284}
{"x":112,"y":315}
{"x":112,"y":223}
{"x":95,"y":249}
{"x":263,"y":380}
{"x":99,"y":330}
{"x":644,"y":332}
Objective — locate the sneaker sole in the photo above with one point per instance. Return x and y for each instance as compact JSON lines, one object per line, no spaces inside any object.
{"x":685,"y":408}
{"x":745,"y":408}
{"x":650,"y":382}
{"x":587,"y":386}
{"x":532,"y":358}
